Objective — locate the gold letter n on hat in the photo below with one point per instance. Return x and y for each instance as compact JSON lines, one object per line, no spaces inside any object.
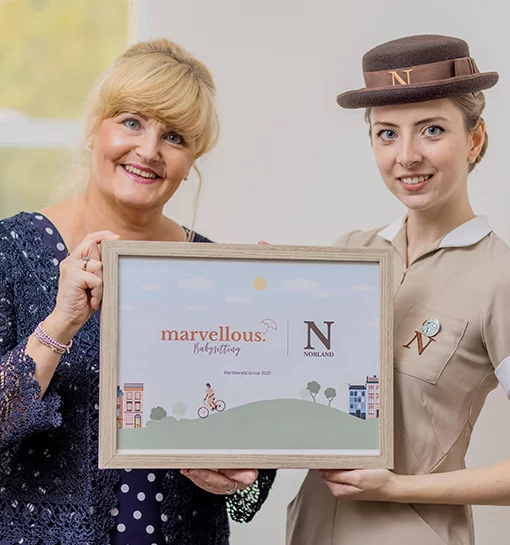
{"x":396,"y":78}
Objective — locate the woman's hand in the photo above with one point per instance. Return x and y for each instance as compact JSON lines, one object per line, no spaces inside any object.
{"x":222,"y":481}
{"x":360,"y":484}
{"x":80,"y":289}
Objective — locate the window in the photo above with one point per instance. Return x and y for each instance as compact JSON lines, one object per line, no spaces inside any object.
{"x":50,"y":54}
{"x":371,"y":401}
{"x":130,"y":395}
{"x":377,"y":400}
{"x":371,"y":410}
{"x":363,"y":394}
{"x":352,"y":406}
{"x":137,"y":395}
{"x":137,"y":406}
{"x":129,"y":406}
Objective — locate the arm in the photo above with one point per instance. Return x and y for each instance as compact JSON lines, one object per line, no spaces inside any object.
{"x":245,"y":504}
{"x":27,"y":368}
{"x":22,"y":411}
{"x":487,"y":485}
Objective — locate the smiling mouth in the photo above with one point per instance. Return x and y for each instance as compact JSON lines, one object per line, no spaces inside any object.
{"x":142,"y":173}
{"x":415,"y":180}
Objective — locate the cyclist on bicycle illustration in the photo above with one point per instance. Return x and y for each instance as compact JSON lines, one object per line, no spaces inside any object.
{"x":209,"y":397}
{"x":210,"y":403}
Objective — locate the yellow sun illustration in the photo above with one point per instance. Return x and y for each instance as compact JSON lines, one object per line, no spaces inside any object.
{"x":260,"y":283}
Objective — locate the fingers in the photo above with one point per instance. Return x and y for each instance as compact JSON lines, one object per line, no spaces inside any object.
{"x":339,"y":476}
{"x":94,"y":284}
{"x":90,"y":246}
{"x":211,"y":481}
{"x":217,"y":482}
{"x":245,"y":477}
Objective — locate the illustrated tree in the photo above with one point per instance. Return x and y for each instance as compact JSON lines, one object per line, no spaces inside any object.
{"x":158,"y":413}
{"x":314,"y":388}
{"x":330,"y":393}
{"x":179,"y":410}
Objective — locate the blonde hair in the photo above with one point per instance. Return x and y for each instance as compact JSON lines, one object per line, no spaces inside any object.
{"x":158,"y":79}
{"x":471,"y":105}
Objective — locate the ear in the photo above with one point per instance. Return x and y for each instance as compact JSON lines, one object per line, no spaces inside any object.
{"x":477,"y":138}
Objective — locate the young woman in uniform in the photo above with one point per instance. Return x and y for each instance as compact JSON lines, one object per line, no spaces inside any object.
{"x":424,"y":103}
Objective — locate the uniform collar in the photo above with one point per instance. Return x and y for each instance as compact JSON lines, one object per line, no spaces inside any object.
{"x":467,"y":234}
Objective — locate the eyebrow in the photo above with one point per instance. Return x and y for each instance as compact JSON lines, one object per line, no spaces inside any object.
{"x":421,"y":122}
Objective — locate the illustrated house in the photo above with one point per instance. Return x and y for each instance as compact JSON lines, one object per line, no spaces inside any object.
{"x":357,"y":400}
{"x":372,"y":387}
{"x":120,"y":408}
{"x":133,"y":404}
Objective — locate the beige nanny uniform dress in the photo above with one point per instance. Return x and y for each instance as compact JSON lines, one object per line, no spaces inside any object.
{"x":441,"y":383}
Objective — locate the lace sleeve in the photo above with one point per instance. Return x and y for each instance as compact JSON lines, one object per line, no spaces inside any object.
{"x":22,"y":412}
{"x":245,"y":504}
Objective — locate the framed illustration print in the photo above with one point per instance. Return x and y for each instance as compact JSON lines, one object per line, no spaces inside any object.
{"x":224,"y":356}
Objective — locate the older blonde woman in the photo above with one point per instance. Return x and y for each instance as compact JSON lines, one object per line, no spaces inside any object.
{"x":150,"y":117}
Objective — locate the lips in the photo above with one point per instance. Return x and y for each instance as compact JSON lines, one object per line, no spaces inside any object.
{"x":415,"y":182}
{"x":139,"y":174}
{"x":141,"y":171}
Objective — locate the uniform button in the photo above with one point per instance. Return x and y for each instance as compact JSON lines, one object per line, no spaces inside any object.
{"x":431,"y":327}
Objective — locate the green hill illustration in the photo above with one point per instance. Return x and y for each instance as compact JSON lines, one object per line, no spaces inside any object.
{"x":274,"y":424}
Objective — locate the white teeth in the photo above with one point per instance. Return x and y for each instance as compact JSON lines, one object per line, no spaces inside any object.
{"x":415,"y":180}
{"x":139,"y":172}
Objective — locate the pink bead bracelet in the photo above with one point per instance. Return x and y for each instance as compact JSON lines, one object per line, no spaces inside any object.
{"x":45,"y":339}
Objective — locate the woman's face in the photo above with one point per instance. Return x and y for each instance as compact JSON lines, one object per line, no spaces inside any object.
{"x":138,"y":161}
{"x":423,"y":151}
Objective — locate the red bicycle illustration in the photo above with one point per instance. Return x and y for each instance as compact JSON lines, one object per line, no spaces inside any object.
{"x":205,"y":411}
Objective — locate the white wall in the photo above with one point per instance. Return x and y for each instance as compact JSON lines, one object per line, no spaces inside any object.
{"x":293,"y":167}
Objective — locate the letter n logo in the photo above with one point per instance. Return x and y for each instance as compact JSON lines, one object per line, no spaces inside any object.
{"x":419,"y":338}
{"x":324,"y":339}
{"x":396,"y":78}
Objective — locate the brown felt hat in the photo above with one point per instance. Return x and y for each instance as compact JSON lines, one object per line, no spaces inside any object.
{"x":417,"y":69}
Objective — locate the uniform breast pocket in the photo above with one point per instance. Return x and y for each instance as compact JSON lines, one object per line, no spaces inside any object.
{"x":425,"y":357}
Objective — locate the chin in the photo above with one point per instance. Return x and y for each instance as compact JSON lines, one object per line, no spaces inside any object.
{"x":417,"y":204}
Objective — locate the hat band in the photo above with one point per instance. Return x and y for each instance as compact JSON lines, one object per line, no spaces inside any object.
{"x":423,"y":73}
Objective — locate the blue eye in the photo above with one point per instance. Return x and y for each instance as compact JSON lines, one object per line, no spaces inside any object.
{"x":387,"y":134}
{"x":434,"y":130}
{"x":175,"y":138}
{"x":131,"y":123}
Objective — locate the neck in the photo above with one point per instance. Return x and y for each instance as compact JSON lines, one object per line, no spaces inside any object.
{"x":424,"y":227}
{"x":95,"y":212}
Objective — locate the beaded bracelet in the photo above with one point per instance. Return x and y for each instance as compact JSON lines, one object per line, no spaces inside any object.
{"x":45,"y":339}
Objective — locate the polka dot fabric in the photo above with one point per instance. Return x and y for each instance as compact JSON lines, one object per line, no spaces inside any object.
{"x":138,"y":515}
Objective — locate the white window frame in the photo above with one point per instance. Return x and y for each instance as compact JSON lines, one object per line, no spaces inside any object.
{"x":20,"y":131}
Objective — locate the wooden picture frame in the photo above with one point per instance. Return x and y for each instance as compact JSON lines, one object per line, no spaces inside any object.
{"x":248,"y":356}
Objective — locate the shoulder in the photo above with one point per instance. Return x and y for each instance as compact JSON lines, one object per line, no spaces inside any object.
{"x":494,"y":253}
{"x":196,"y":237}
{"x":359,"y":238}
{"x":15,"y":227}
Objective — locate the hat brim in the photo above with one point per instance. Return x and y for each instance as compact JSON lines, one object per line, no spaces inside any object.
{"x":420,"y":92}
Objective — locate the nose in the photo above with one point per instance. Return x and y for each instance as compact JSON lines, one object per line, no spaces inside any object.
{"x":409,"y":153}
{"x":148,"y":146}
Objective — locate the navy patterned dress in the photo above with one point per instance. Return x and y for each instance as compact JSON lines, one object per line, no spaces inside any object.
{"x":51,"y":490}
